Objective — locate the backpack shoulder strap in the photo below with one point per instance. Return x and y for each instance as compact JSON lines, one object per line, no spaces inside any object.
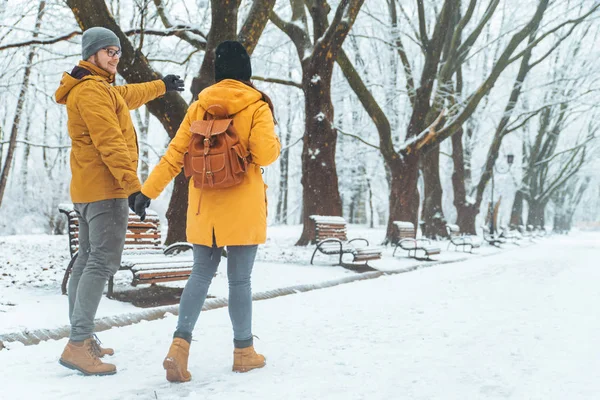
{"x":221,"y":113}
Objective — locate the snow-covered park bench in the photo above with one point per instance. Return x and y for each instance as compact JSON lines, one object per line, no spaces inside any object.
{"x":143,"y":255}
{"x":331,"y":239}
{"x":527,"y":232}
{"x":407,"y":240}
{"x":490,"y":238}
{"x":459,"y":239}
{"x":510,"y":235}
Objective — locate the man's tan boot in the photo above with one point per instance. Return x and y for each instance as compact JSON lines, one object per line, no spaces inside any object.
{"x":84,"y":358}
{"x":247,"y":359}
{"x":102,"y":351}
{"x":176,"y":362}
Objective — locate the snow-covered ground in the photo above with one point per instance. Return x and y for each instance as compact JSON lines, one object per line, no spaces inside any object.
{"x":32,"y":268}
{"x":520,"y":324}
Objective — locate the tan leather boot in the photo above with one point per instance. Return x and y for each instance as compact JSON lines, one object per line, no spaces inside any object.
{"x":176,"y":362}
{"x":247,"y":359}
{"x":102,"y":351}
{"x":84,"y":358}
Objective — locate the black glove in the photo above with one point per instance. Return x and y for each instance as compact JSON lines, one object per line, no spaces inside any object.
{"x":131,"y":200}
{"x":173,"y":83}
{"x":141,"y":203}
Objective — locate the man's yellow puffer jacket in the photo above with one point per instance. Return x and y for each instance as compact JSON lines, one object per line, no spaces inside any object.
{"x":237,"y":215}
{"x":104,"y":150}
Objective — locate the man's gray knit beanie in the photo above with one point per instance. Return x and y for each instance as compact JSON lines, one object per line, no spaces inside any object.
{"x":95,"y":39}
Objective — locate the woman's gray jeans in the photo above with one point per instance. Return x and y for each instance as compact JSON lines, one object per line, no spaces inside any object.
{"x":240,"y":260}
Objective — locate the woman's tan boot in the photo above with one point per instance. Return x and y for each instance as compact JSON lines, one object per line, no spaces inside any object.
{"x":176,"y":362}
{"x":101,"y":351}
{"x":84,"y":358}
{"x":247,"y":359}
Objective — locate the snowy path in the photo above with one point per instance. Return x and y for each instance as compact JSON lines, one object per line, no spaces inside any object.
{"x":519,"y":325}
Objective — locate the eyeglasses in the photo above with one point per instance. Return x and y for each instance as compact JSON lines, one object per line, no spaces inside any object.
{"x":113,"y":53}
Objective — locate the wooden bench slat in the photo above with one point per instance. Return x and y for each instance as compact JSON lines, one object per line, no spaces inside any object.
{"x":367,"y":257}
{"x":166,"y":272}
{"x":158,"y":280}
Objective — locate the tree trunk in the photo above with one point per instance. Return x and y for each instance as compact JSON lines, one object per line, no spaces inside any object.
{"x":26,"y":154}
{"x":143,"y":142}
{"x":465,"y":219}
{"x":1,"y":146}
{"x":19,"y":109}
{"x":433,"y":215}
{"x":404,"y":196}
{"x":466,"y":211}
{"x":566,"y":200}
{"x":284,"y":164}
{"x":560,"y":225}
{"x":282,"y":201}
{"x":317,"y":53}
{"x":371,"y":211}
{"x":516,"y":215}
{"x":536,"y":214}
{"x":319,"y":175}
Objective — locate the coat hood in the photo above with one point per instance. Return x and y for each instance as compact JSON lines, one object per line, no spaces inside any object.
{"x":68,"y":82}
{"x":231,"y":94}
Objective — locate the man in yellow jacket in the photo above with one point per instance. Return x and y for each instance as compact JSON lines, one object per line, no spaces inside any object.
{"x":104,"y":161}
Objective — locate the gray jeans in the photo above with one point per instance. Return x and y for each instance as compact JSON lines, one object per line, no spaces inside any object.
{"x":102,"y":229}
{"x":240,"y":260}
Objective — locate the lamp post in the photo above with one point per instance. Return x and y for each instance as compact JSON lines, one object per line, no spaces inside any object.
{"x":509,"y":160}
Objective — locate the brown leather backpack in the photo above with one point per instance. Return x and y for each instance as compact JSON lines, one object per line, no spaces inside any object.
{"x":215,"y":158}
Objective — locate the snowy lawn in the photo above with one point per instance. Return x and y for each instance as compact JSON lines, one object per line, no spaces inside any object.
{"x":32,"y":268}
{"x":517,"y":325}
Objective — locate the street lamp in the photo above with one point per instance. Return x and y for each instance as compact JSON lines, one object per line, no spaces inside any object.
{"x":509,"y":160}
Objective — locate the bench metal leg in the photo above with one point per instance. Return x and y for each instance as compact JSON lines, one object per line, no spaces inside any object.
{"x":313,"y":255}
{"x":111,"y":284}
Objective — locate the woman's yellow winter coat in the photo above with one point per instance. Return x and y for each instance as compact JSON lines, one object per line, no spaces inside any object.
{"x":237,"y":215}
{"x":104,"y":149}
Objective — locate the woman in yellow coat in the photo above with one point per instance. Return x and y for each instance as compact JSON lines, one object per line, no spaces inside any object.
{"x":235,"y":217}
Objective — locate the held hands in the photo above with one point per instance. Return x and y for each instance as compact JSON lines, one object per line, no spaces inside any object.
{"x":131,"y":200}
{"x":173,"y":83}
{"x":140,"y":204}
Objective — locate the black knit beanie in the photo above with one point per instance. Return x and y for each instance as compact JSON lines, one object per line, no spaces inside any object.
{"x":232,"y":62}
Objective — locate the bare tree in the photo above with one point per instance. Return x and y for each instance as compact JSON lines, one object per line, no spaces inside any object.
{"x":281,"y":215}
{"x":546,"y":169}
{"x":566,"y":200}
{"x":546,"y":165}
{"x":319,"y":176}
{"x":423,"y":132}
{"x":20,"y":103}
